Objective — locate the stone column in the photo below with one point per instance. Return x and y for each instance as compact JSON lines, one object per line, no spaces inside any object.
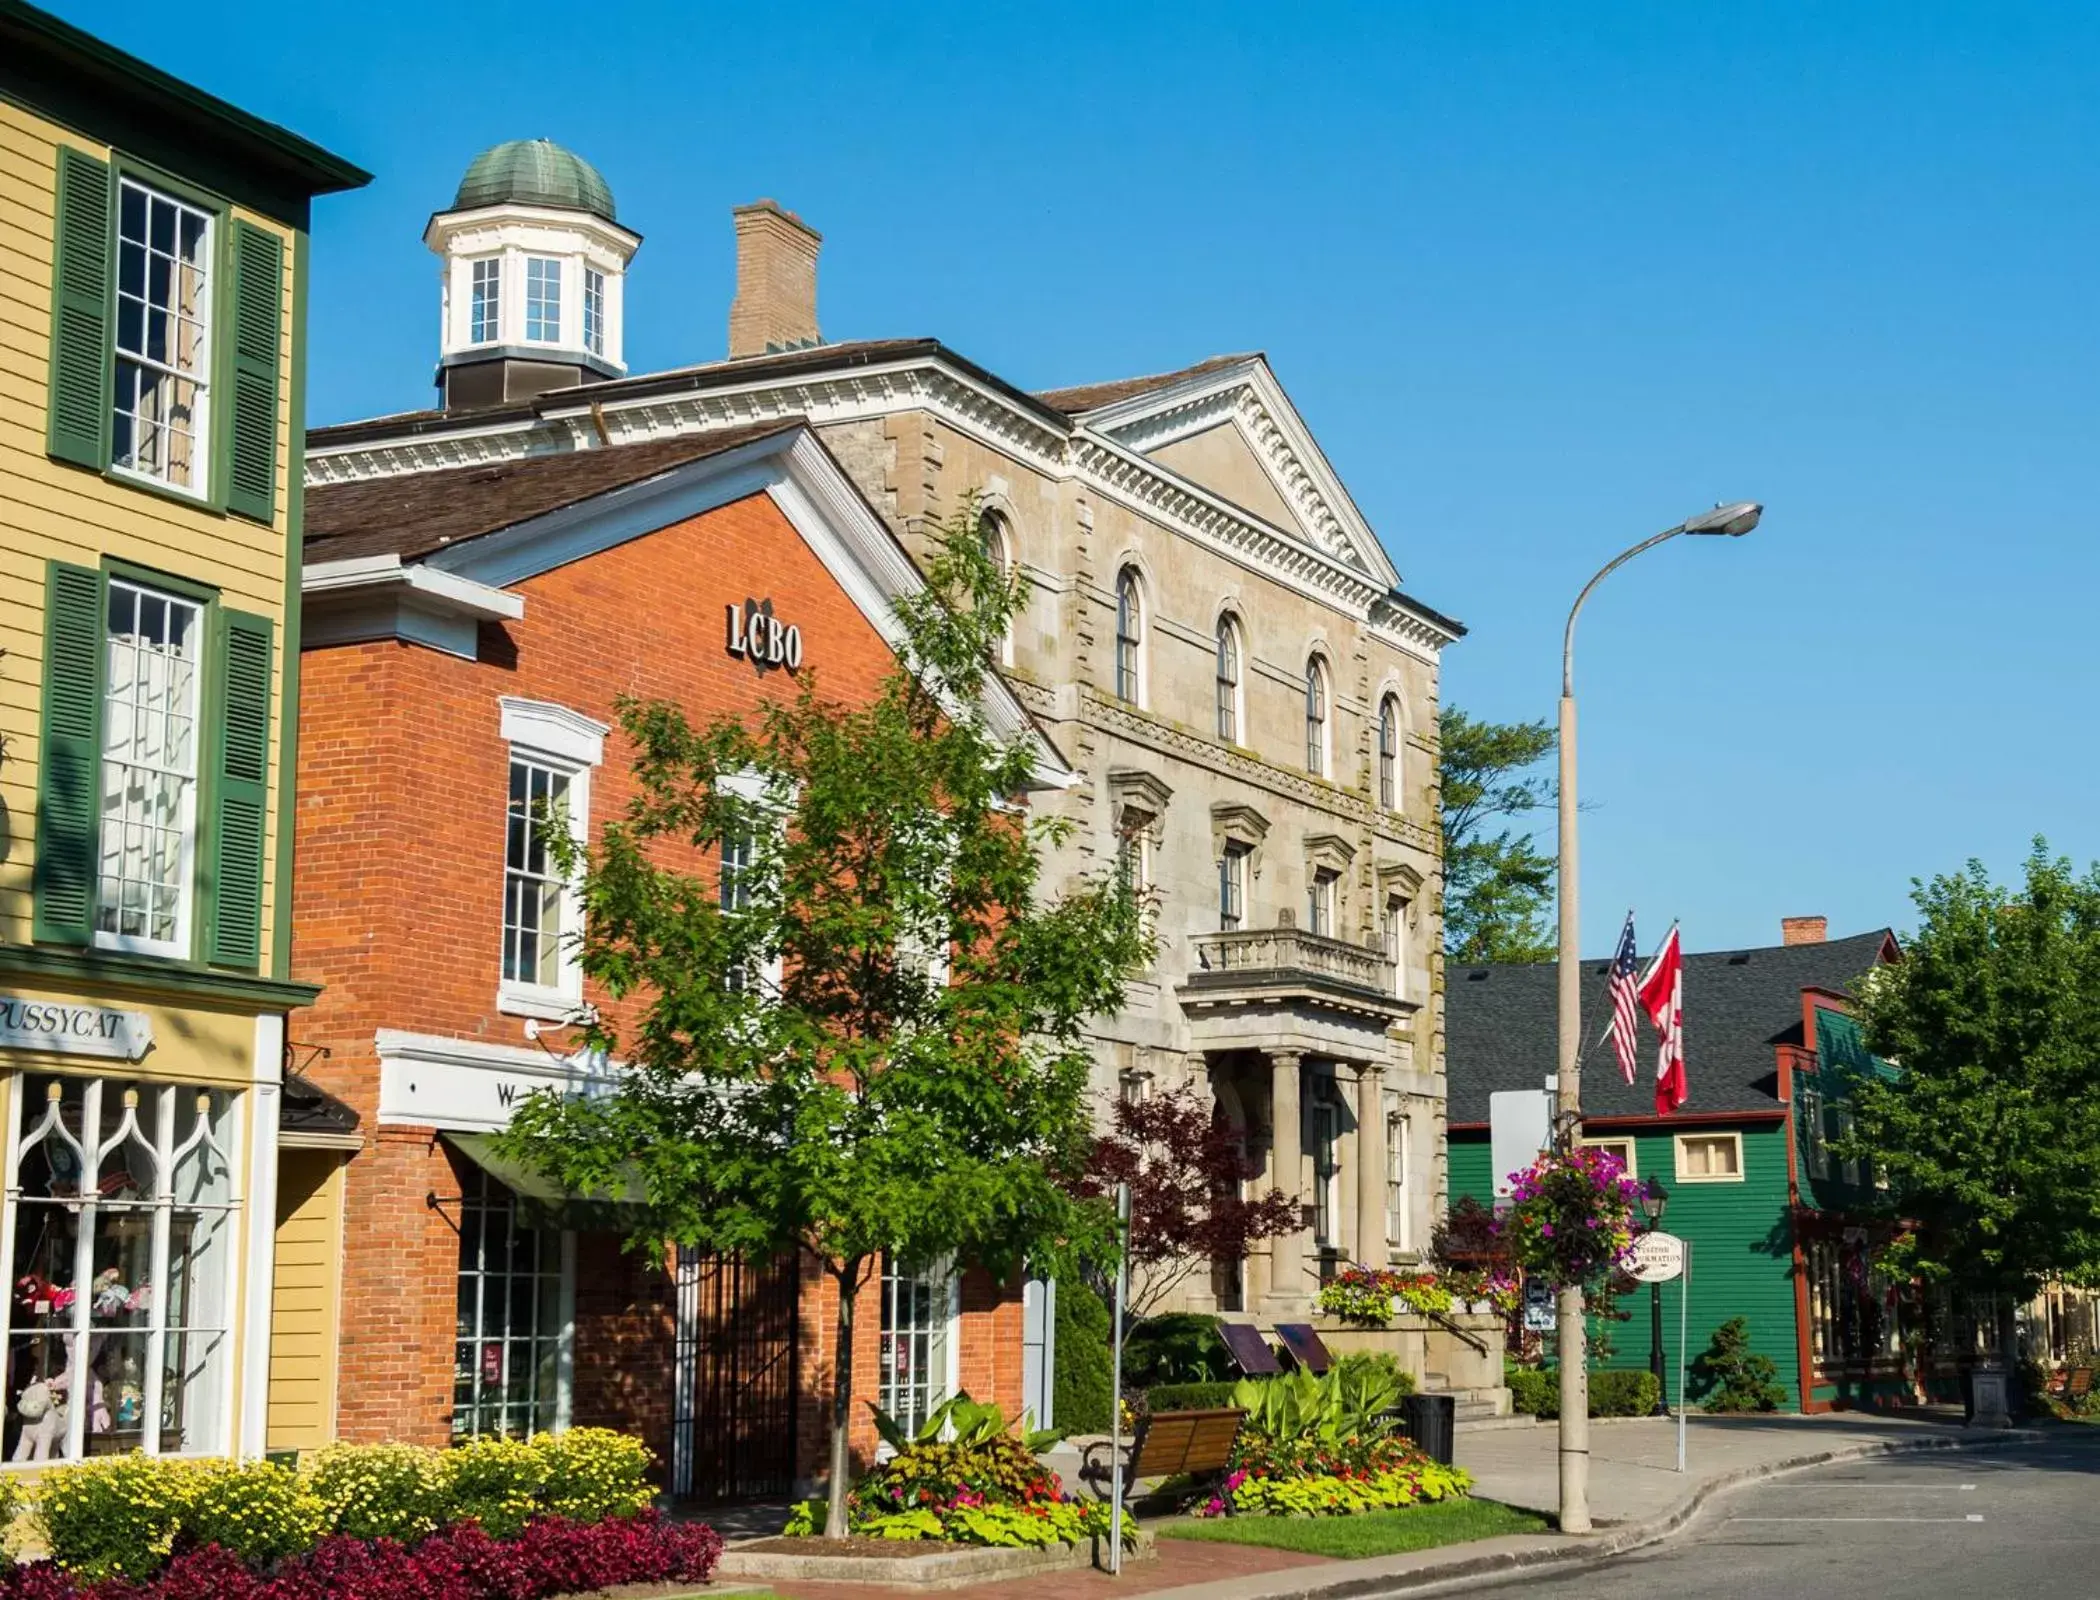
{"x":1370,"y":1164}
{"x":1287,"y":1172}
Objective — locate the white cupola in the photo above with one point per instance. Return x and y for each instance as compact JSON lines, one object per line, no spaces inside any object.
{"x":534,"y":277}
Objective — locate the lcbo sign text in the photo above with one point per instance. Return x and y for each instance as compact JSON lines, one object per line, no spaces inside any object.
{"x":762,"y":638}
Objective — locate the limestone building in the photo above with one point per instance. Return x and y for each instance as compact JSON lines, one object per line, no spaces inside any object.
{"x":1214,"y":639}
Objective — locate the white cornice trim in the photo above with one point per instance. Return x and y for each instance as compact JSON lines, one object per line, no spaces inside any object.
{"x":924,"y":382}
{"x":437,"y":589}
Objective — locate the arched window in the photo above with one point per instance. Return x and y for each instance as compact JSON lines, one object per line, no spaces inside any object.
{"x":1316,"y":718}
{"x":1389,"y":753}
{"x":1130,"y":636}
{"x":998,"y":550}
{"x":1228,"y":681}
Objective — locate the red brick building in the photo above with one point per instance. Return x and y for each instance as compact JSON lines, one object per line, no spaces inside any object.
{"x":467,"y":635}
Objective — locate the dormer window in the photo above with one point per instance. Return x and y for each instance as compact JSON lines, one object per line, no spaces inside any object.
{"x":488,"y":302}
{"x":542,"y":300}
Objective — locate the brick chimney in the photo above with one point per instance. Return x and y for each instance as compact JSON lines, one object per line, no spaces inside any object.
{"x":1803,"y":930}
{"x":776,"y":281}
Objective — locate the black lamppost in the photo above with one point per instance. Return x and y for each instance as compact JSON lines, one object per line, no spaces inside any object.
{"x":1654,"y":1198}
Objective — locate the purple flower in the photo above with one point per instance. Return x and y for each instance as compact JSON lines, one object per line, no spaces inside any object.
{"x":1546,"y":1229}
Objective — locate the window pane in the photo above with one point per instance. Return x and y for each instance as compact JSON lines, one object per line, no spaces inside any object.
{"x":506,"y":1365}
{"x":535,"y":894}
{"x":149,"y":769}
{"x":542,"y":299}
{"x":162,"y":336}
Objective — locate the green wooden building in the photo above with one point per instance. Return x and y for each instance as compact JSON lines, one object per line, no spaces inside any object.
{"x":1746,"y":1164}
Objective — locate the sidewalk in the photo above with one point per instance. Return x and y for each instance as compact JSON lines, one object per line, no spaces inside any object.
{"x":1636,"y":1497}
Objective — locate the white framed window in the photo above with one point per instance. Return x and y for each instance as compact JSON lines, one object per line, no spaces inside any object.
{"x":148,"y":836}
{"x":993,"y":538}
{"x":1817,"y":1139}
{"x":1389,"y":753}
{"x":1392,"y":940}
{"x":1326,"y":1114}
{"x":1232,"y":886}
{"x":552,"y":753}
{"x":1228,"y":680}
{"x":511,"y":1371}
{"x":1319,"y":902}
{"x":485,"y":301}
{"x":1399,"y":1139}
{"x":594,"y":311}
{"x":123,"y":1235}
{"x":543,"y":300}
{"x":1622,"y":1148}
{"x":1316,"y":717}
{"x":1130,"y":639}
{"x":738,"y":865}
{"x":163,"y":338}
{"x":1709,"y":1158}
{"x":916,"y":1352}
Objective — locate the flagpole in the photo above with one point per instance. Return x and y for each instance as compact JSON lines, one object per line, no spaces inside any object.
{"x":1732,"y":521}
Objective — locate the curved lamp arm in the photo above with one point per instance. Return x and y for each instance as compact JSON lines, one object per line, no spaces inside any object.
{"x":1732,"y":520}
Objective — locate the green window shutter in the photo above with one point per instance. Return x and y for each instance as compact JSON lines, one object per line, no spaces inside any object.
{"x":78,"y":406}
{"x":68,"y":782}
{"x":239,"y":792}
{"x":258,"y":333}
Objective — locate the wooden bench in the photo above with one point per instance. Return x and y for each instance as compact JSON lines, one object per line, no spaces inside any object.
{"x":1194,"y":1444}
{"x":2078,"y":1383}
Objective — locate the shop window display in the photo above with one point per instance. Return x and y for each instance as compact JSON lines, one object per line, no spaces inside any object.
{"x":120,"y":1262}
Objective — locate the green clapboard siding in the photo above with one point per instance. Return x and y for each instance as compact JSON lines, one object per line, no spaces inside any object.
{"x":1742,"y":1252}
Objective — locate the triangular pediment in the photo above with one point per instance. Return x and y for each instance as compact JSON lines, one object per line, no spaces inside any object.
{"x":1231,"y":431}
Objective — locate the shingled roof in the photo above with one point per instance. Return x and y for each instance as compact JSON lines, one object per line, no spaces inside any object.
{"x":1499,"y":1027}
{"x":413,"y":514}
{"x":1093,"y":396}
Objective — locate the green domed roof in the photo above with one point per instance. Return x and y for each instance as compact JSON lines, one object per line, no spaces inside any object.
{"x":536,"y":172}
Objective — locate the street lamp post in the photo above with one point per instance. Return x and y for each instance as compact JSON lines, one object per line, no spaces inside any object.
{"x":1734,"y":521}
{"x":1654,"y":1199}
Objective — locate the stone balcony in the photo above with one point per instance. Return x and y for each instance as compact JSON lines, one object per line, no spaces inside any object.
{"x":1254,"y":986}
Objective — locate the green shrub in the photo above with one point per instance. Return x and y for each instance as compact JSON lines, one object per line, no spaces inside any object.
{"x":1180,"y":1347}
{"x":1083,"y":1381}
{"x":595,"y":1475}
{"x":1735,"y":1377}
{"x":499,"y":1483}
{"x":1189,"y":1397}
{"x":258,"y":1511}
{"x":380,"y":1491}
{"x":1365,"y":1362}
{"x":115,"y":1517}
{"x":1533,"y":1390}
{"x":1619,"y":1393}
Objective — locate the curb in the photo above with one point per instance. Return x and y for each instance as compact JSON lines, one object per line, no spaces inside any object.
{"x":1523,"y":1553}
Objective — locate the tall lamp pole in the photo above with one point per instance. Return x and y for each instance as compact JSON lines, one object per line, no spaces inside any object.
{"x":1654,"y":1200}
{"x":1734,"y":521}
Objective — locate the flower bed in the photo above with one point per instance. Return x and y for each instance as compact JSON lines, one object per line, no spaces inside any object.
{"x":1365,"y":1297}
{"x":494,"y":1520}
{"x":980,"y":1486}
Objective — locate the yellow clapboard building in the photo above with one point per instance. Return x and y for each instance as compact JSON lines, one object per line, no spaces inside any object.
{"x":166,"y":1239}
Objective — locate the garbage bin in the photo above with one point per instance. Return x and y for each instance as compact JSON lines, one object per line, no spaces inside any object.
{"x":1430,"y":1420}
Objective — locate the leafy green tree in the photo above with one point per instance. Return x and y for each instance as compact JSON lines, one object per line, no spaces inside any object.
{"x":1986,"y":1133}
{"x":870,"y":1043}
{"x":1497,"y":885}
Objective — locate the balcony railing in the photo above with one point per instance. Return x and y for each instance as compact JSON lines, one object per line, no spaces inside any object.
{"x":1273,"y":955}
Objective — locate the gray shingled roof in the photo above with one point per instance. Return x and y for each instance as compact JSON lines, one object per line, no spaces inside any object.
{"x":1738,"y":1004}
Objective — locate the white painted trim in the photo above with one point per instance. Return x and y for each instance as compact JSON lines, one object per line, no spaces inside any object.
{"x":565,"y":1344}
{"x":260,"y":1207}
{"x":431,"y":584}
{"x":545,"y":728}
{"x":1678,"y":1142}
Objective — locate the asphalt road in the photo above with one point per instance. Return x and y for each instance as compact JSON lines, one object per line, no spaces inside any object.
{"x":2021,"y":1522}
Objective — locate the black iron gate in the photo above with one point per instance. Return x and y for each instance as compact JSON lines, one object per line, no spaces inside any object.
{"x":735,"y":1378}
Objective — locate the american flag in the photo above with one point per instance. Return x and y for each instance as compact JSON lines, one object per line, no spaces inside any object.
{"x":1625,"y":1001}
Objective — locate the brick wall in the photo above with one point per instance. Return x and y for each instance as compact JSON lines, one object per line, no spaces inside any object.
{"x":398,"y":914}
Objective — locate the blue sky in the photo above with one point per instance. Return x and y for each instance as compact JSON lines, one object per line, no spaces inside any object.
{"x":1544,"y":278}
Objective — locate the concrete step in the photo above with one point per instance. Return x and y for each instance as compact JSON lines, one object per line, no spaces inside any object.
{"x":1494,"y":1424}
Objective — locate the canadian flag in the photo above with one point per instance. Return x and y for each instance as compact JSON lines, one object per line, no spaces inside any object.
{"x":1662,"y":997}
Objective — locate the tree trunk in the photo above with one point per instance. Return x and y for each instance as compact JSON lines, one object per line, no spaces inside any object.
{"x":848,"y":1275}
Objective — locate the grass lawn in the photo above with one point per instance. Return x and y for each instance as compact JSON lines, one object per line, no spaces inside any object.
{"x":1371,"y":1533}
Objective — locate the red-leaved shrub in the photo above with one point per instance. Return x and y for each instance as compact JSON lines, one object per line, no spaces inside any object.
{"x":549,"y":1557}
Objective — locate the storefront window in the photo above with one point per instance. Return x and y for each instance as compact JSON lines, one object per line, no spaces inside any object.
{"x":1851,"y":1313}
{"x":510,"y":1367}
{"x":917,"y":1308}
{"x":121,"y":1267}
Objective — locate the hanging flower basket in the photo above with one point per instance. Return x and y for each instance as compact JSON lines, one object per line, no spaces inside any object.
{"x":1571,"y":1217}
